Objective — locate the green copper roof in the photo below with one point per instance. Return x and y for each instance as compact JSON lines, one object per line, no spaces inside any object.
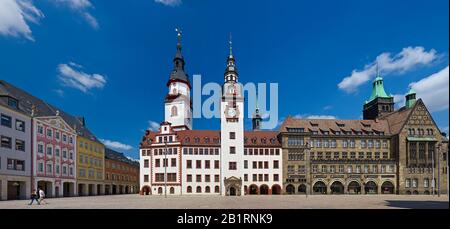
{"x":378,"y":90}
{"x":411,"y":91}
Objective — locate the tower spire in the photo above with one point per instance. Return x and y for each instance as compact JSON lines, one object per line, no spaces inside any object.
{"x":231,"y":45}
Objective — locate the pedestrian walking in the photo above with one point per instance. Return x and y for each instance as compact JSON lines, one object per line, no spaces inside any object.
{"x":42,"y":196}
{"x":34,"y":197}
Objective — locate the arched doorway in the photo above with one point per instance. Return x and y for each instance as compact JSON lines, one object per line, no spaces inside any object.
{"x":290,"y":189}
{"x":198,"y":189}
{"x":172,"y":190}
{"x":371,"y":188}
{"x":415,"y":192}
{"x":232,"y":191}
{"x":276,"y":189}
{"x":427,"y":192}
{"x":207,"y":189}
{"x":145,"y":190}
{"x":320,"y":188}
{"x":387,"y":188}
{"x":408,"y":192}
{"x":127,"y":190}
{"x":337,"y":188}
{"x":253,"y":190}
{"x":189,"y":189}
{"x":264,"y":190}
{"x":245,"y":190}
{"x":302,"y":189}
{"x":159,"y":190}
{"x":354,"y":188}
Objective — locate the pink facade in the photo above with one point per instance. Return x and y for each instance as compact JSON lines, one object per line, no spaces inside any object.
{"x":54,"y":154}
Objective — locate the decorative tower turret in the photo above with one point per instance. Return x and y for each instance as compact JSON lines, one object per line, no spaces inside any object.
{"x":257,"y":119}
{"x":178,"y":104}
{"x":380,"y":102}
{"x":410,"y":98}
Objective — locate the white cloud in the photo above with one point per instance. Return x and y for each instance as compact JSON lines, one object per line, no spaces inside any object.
{"x":153,"y":126}
{"x":59,"y":92}
{"x":402,"y":62}
{"x":72,"y":76}
{"x":81,"y":7}
{"x":169,"y":2}
{"x":399,"y":100}
{"x":434,"y":90}
{"x":328,"y":107}
{"x":14,"y":15}
{"x":116,"y":145}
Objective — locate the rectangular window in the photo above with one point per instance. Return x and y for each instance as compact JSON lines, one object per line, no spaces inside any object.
{"x":49,"y":133}
{"x":266,"y":164}
{"x":207,"y":164}
{"x":20,"y":145}
{"x":216,"y":164}
{"x":232,"y":166}
{"x":260,"y":177}
{"x":171,"y":177}
{"x":198,"y":164}
{"x":232,"y":150}
{"x":145,"y":178}
{"x":266,"y":177}
{"x":6,"y":120}
{"x":245,"y":177}
{"x":207,"y":178}
{"x":232,"y":135}
{"x":18,"y":165}
{"x":157,"y":163}
{"x":146,"y":163}
{"x":255,"y":177}
{"x":159,"y":177}
{"x":276,"y":164}
{"x":216,"y":178}
{"x":49,"y":168}
{"x":189,"y":178}
{"x":173,"y":162}
{"x":6,"y":142}
{"x":198,"y":178}
{"x":20,"y":125}
{"x":189,"y":164}
{"x":245,"y":164}
{"x":276,"y":177}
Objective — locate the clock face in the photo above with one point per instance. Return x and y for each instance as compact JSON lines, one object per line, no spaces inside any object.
{"x":232,"y":112}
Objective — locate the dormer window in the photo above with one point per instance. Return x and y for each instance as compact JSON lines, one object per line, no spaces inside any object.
{"x":314,"y":124}
{"x":264,"y":141}
{"x":254,"y":140}
{"x":186,"y":140}
{"x":197,"y":140}
{"x":206,"y":140}
{"x":272,"y":140}
{"x":12,"y":103}
{"x":340,"y":124}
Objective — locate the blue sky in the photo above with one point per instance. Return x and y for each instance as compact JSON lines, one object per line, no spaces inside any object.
{"x":110,"y":60}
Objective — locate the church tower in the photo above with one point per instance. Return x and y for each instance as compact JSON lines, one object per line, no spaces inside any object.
{"x":257,"y":119}
{"x":178,"y":104}
{"x":380,"y":102}
{"x":232,"y":131}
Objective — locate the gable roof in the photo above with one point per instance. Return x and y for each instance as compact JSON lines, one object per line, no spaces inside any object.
{"x":117,"y":156}
{"x":26,"y":102}
{"x":334,"y":125}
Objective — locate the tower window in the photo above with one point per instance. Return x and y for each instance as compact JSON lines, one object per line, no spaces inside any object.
{"x":174,"y":111}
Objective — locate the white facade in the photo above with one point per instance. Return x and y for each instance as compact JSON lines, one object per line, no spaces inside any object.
{"x":15,"y":154}
{"x":178,"y":111}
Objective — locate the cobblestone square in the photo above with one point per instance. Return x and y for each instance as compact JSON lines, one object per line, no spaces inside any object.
{"x":244,"y":202}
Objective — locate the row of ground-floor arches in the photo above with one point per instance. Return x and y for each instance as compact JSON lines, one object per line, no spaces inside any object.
{"x":70,"y":189}
{"x":248,"y":190}
{"x":340,"y":187}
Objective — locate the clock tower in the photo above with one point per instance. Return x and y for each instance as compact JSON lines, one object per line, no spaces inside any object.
{"x":232,"y":131}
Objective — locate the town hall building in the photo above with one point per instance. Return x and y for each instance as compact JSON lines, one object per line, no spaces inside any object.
{"x":178,"y":160}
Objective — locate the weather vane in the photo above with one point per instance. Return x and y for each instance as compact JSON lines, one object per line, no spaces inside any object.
{"x":179,"y":32}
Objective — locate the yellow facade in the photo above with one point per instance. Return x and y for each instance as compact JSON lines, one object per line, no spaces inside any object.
{"x":91,"y":160}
